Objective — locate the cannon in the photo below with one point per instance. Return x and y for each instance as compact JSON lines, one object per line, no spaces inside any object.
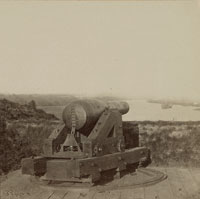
{"x":90,"y":141}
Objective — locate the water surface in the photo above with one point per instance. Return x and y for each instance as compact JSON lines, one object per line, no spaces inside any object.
{"x":142,"y":110}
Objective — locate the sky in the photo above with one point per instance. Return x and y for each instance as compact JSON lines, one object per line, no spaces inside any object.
{"x":124,"y":48}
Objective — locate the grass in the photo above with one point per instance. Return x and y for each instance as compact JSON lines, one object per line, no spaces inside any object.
{"x":171,"y":143}
{"x":19,"y":140}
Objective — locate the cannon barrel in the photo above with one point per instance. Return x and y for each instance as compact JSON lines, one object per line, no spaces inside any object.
{"x":87,"y":112}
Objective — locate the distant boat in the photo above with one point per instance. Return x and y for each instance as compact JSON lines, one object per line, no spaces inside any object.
{"x":166,"y":106}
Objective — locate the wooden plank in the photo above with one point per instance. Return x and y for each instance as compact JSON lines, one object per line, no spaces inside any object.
{"x":88,"y":195}
{"x":126,"y":194}
{"x":59,"y":194}
{"x":138,"y":193}
{"x":72,"y":195}
{"x":150,"y":192}
{"x":195,"y":173}
{"x":189,"y":182}
{"x":44,"y":194}
{"x":131,"y":193}
{"x":99,"y":195}
{"x":115,"y":194}
{"x":163,"y":188}
{"x":175,"y":183}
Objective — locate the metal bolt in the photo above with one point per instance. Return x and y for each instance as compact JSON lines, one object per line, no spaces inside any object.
{"x":119,"y":158}
{"x":100,"y":149}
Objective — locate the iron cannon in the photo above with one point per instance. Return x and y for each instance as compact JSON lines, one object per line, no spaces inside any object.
{"x":90,"y":141}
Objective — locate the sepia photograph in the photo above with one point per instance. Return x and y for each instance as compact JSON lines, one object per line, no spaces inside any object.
{"x":100,"y":99}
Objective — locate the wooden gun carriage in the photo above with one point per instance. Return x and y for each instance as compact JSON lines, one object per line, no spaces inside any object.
{"x":91,"y":141}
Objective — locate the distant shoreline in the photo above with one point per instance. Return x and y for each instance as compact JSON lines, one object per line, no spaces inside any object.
{"x":175,"y":102}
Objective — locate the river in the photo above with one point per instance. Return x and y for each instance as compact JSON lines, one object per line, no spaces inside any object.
{"x":141,"y":110}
